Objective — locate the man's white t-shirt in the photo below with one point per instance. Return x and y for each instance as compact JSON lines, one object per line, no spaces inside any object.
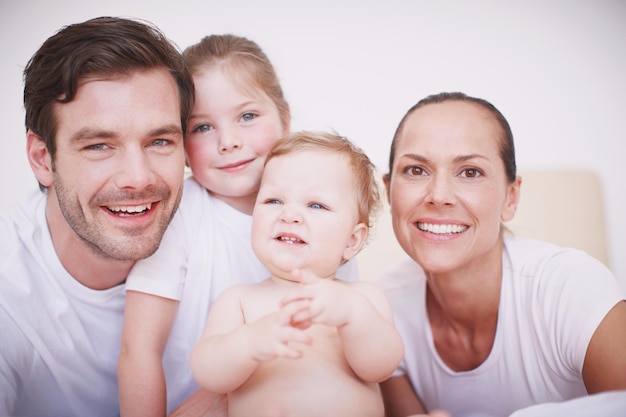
{"x":552,"y":300}
{"x":59,"y":340}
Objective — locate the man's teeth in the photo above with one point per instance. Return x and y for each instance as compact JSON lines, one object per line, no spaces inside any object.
{"x":441,"y":228}
{"x":128,"y":210}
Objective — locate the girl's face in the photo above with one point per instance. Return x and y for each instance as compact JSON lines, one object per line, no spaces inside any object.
{"x":229,"y":134}
{"x":448,"y":189}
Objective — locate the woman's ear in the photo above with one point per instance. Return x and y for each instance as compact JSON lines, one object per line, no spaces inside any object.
{"x":356,"y":241}
{"x":39,"y":159}
{"x":512,"y":199}
{"x":387,"y":182}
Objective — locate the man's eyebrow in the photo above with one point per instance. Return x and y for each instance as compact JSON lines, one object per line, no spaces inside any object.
{"x":88,"y":133}
{"x":172,"y":129}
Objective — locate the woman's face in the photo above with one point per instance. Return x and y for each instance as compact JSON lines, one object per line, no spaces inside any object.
{"x":448,"y":190}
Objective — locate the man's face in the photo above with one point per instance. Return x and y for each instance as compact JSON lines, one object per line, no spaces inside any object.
{"x":118,"y":169}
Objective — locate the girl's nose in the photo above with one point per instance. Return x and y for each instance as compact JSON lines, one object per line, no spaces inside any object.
{"x":228,"y":141}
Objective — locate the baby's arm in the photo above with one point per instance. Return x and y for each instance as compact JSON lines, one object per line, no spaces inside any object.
{"x":147,"y":323}
{"x":372,"y":345}
{"x":230,"y":349}
{"x":371,"y":334}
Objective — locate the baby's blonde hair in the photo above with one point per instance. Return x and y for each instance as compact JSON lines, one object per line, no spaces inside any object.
{"x":244,"y":61}
{"x":368,"y":195}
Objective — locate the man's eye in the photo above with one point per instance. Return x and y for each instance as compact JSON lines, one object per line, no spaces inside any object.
{"x":97,"y":147}
{"x":160,"y":142}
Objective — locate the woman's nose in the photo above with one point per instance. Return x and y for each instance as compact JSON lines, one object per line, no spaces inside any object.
{"x":440,"y":190}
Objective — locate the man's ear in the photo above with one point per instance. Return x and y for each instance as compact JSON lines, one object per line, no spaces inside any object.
{"x":356,"y":241}
{"x":512,"y":199}
{"x":39,"y":158}
{"x":387,"y":182}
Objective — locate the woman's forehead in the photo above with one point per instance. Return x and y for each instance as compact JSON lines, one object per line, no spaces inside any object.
{"x":448,"y":123}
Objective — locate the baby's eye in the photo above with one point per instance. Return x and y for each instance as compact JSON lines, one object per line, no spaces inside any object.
{"x":246,"y":117}
{"x":471,"y":173}
{"x":317,"y":206}
{"x":272,"y":201}
{"x":415,"y":171}
{"x":202,"y":128}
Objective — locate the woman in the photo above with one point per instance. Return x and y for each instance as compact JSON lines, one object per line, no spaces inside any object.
{"x":491,"y":323}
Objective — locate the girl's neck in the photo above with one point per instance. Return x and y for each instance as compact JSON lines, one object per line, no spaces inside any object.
{"x":242,"y":204}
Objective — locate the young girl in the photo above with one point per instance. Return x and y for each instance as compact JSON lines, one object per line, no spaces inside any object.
{"x":301,"y":342}
{"x":238,"y":114}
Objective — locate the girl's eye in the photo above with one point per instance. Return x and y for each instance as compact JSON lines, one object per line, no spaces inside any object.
{"x":471,"y":173}
{"x":415,"y":171}
{"x":246,"y":117}
{"x":202,"y":128}
{"x":317,"y":206}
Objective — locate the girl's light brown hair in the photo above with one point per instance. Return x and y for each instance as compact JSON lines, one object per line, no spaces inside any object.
{"x":244,"y":61}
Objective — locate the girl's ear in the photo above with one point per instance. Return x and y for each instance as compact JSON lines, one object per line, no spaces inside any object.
{"x":356,"y":241}
{"x":512,"y":199}
{"x":39,"y":159}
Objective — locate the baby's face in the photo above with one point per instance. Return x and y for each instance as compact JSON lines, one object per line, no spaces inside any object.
{"x":306,"y":213}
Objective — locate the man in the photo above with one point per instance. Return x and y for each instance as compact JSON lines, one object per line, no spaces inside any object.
{"x":106,"y":106}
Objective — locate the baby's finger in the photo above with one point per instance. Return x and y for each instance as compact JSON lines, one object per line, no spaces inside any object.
{"x":305,"y":315}
{"x":295,"y":295}
{"x":288,"y":310}
{"x":305,"y":276}
{"x":302,"y":324}
{"x":299,"y":336}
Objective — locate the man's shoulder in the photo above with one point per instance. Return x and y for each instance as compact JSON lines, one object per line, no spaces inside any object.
{"x":24,"y":213}
{"x":20,"y":227}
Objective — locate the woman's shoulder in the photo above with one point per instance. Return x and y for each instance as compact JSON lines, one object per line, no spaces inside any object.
{"x":547,"y":264}
{"x":531,"y":253}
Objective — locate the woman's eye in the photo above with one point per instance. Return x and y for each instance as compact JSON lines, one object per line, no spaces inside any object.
{"x":471,"y":173}
{"x":415,"y":171}
{"x":246,"y":117}
{"x":202,"y":128}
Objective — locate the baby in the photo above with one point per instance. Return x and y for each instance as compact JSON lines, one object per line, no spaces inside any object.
{"x":302,"y":342}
